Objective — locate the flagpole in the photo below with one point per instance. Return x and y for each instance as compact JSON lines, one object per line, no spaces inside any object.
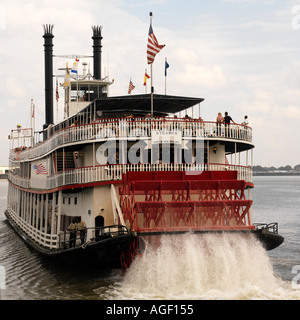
{"x":32,"y":109}
{"x":77,"y":92}
{"x":56,"y":90}
{"x":56,"y":111}
{"x":165,"y":77}
{"x":151,"y":71}
{"x":146,"y":82}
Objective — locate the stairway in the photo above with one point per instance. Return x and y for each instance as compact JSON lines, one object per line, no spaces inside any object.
{"x":69,"y":160}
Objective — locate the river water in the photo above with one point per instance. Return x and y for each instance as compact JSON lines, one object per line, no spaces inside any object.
{"x":189,"y":267}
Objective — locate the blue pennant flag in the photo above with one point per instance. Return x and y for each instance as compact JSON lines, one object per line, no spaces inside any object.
{"x":166,"y":67}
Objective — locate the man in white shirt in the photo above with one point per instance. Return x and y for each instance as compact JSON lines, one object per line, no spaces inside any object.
{"x":245,"y":123}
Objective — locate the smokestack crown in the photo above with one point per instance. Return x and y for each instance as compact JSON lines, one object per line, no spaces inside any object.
{"x":48,"y":28}
{"x":97,"y":30}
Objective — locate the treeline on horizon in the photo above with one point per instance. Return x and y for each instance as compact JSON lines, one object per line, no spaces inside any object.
{"x":282,"y":168}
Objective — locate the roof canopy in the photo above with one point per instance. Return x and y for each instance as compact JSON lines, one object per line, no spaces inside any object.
{"x":142,"y":103}
{"x":137,"y":105}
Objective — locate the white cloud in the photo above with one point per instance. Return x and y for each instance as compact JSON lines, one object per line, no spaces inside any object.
{"x":291,"y":112}
{"x":204,"y":76}
{"x":246,"y":61}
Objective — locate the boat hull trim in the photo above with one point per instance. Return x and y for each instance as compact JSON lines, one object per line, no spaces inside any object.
{"x":119,"y":251}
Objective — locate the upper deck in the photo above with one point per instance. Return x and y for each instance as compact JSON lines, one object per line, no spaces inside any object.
{"x":128,"y":116}
{"x":120,"y":120}
{"x":125,"y":128}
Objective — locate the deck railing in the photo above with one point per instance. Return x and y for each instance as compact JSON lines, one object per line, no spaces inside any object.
{"x":90,"y":235}
{"x":62,"y":239}
{"x":114,"y":173}
{"x":19,"y":181}
{"x":124,"y":127}
{"x":43,"y":238}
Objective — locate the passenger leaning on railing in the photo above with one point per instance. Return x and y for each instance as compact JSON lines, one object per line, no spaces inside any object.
{"x":81,"y":226}
{"x":219,"y":120}
{"x":227,"y":120}
{"x":73,"y":229}
{"x":245,"y":123}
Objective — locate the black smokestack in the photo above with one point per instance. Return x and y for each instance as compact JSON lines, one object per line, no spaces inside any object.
{"x":48,"y":45}
{"x":97,"y":37}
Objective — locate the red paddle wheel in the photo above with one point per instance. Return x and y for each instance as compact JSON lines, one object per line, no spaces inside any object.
{"x":156,"y":203}
{"x":169,"y":202}
{"x":127,"y":256}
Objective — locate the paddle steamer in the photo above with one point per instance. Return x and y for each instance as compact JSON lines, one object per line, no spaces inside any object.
{"x":129,"y":167}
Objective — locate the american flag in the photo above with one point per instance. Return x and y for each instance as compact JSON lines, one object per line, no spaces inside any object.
{"x":152,"y":47}
{"x":39,"y":169}
{"x":131,"y":87}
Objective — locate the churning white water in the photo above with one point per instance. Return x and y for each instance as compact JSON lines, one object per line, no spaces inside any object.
{"x":207,"y":266}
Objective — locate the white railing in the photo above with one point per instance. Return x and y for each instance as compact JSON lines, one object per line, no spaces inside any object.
{"x":114,"y":128}
{"x":19,"y":181}
{"x":42,"y":238}
{"x":114,"y":172}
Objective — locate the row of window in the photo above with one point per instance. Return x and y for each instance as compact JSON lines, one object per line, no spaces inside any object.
{"x":68,"y":200}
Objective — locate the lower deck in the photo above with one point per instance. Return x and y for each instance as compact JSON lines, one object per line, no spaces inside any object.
{"x":143,"y":202}
{"x":108,"y":223}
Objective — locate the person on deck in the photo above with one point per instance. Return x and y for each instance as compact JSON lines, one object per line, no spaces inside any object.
{"x":219,"y":120}
{"x":81,"y":226}
{"x":227,"y":121}
{"x":73,"y":229}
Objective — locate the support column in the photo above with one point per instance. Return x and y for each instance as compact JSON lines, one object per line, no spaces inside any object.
{"x":37,"y":214}
{"x":250,"y":210}
{"x":46,"y":213}
{"x":235,"y":155}
{"x":53,"y":227}
{"x":30,"y":208}
{"x":22,"y":203}
{"x":26,"y":206}
{"x":41,"y":214}
{"x":19,"y":198}
{"x":59,"y":210}
{"x":208,"y":156}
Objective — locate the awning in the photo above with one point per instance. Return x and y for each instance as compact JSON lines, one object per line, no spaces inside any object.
{"x":142,"y":103}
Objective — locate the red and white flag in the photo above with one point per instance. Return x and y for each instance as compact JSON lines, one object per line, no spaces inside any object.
{"x":145,"y":78}
{"x":131,"y":87}
{"x":152,"y":47}
{"x":57,"y":93}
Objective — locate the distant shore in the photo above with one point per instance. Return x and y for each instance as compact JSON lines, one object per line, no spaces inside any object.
{"x":276,"y":173}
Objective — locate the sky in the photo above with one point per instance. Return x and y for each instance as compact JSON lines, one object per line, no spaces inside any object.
{"x":241,"y":56}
